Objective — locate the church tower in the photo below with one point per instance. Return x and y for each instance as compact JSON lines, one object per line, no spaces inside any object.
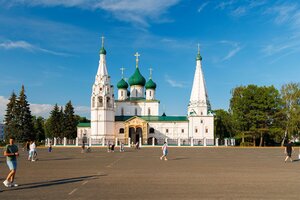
{"x":200,"y":119}
{"x":102,"y":102}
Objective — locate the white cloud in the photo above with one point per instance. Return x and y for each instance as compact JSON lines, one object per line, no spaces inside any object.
{"x":3,"y":103}
{"x":202,"y":6}
{"x":235,"y":49}
{"x":137,"y":11}
{"x":42,"y":110}
{"x":29,"y":47}
{"x":174,"y":83}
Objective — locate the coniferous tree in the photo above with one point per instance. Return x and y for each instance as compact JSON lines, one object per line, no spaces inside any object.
{"x":70,"y":121}
{"x":25,"y":129}
{"x":11,"y":120}
{"x":54,"y":125}
{"x":39,"y":128}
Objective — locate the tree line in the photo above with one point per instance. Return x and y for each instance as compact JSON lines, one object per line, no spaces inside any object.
{"x":261,"y":115}
{"x":20,"y":123}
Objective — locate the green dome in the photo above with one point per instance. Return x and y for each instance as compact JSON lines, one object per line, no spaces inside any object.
{"x":199,"y":57}
{"x":137,"y":78}
{"x":102,"y":51}
{"x":150,"y":84}
{"x":122,"y":84}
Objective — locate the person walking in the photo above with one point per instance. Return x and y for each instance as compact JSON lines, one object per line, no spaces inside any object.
{"x":122,"y":147}
{"x":164,"y":151}
{"x":11,"y":152}
{"x":50,"y":147}
{"x":83,"y":147}
{"x":32,"y":152}
{"x":288,"y":151}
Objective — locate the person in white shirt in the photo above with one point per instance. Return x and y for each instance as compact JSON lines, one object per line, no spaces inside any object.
{"x":165,"y":151}
{"x":32,"y":151}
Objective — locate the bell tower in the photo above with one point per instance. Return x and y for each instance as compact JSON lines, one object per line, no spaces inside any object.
{"x":102,"y":102}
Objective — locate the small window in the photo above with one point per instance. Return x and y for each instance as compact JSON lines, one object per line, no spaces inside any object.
{"x":149,"y":111}
{"x":196,"y":130}
{"x":201,"y":121}
{"x":122,"y":111}
{"x":151,"y":130}
{"x":167,"y":130}
{"x":135,"y":111}
{"x":122,"y":93}
{"x":93,"y":102}
{"x":182,"y":130}
{"x":201,"y":113}
{"x":150,"y":93}
{"x":206,"y":130}
{"x":121,"y":130}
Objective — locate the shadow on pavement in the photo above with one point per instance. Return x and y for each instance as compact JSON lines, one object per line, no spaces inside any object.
{"x":54,"y":182}
{"x":179,"y":159}
{"x":42,"y":159}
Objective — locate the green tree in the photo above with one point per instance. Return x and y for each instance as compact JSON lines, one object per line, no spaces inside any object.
{"x":70,"y":121}
{"x":54,"y":124}
{"x":39,"y":128}
{"x":290,"y":94}
{"x":254,"y":110}
{"x":25,"y":129}
{"x":223,"y":124}
{"x":11,"y":119}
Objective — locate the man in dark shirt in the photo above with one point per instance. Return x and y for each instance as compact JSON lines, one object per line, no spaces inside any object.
{"x":288,"y":151}
{"x":11,"y":153}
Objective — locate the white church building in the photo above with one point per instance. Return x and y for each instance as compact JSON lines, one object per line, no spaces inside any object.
{"x":134,"y":115}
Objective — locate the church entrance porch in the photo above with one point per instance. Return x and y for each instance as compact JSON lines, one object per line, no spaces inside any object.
{"x":135,"y":134}
{"x":136,"y":128}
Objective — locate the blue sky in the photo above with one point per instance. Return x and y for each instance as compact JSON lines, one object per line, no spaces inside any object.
{"x":52,"y":47}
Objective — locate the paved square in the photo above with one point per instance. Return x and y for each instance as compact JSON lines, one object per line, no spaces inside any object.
{"x":190,"y":173}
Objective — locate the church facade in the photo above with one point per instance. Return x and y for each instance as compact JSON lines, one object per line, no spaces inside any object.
{"x":134,"y":115}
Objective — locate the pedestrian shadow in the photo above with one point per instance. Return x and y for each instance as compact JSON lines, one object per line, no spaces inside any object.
{"x":48,"y":159}
{"x":54,"y":182}
{"x":184,"y":158}
{"x":296,"y":160}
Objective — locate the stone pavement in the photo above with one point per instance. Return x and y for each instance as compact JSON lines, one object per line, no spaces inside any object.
{"x":190,"y":173}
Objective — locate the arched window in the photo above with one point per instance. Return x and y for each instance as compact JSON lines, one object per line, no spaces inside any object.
{"x":151,"y":130}
{"x":201,"y":121}
{"x":100,"y":101}
{"x":196,"y":130}
{"x":149,"y":111}
{"x":150,"y":93}
{"x":122,"y":93}
{"x":201,"y":113}
{"x":206,"y":130}
{"x":108,"y":102}
{"x":121,"y":130}
{"x":136,"y":93}
{"x":182,"y":130}
{"x":135,"y":111}
{"x":167,"y":130}
{"x":122,"y":111}
{"x":93,"y":102}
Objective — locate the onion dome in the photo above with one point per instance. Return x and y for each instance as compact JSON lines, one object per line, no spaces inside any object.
{"x":198,"y":55}
{"x":150,"y":84}
{"x":137,"y":78}
{"x":102,"y":51}
{"x":122,"y":84}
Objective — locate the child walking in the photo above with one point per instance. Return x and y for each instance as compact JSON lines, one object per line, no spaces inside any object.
{"x":165,"y":151}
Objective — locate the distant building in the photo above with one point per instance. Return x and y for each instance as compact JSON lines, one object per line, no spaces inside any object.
{"x":1,"y":131}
